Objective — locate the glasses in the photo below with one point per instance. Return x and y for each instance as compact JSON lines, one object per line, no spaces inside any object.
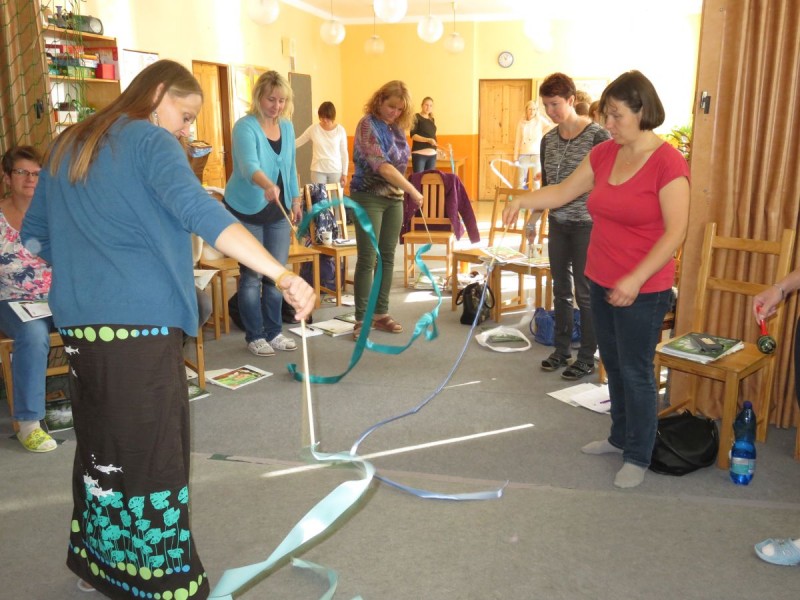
{"x":25,"y":173}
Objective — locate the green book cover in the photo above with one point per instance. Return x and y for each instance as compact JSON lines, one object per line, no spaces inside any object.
{"x":688,"y":347}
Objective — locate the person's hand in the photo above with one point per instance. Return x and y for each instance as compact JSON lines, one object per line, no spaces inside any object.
{"x":343,"y":180}
{"x":766,"y":303}
{"x":510,"y":213}
{"x":432,"y":142}
{"x":297,"y":212}
{"x":537,"y":177}
{"x":299,"y":294}
{"x":272,"y":193}
{"x":418,"y":198}
{"x":624,"y":292}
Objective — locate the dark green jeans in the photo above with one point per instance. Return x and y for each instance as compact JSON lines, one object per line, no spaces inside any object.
{"x":386,"y":216}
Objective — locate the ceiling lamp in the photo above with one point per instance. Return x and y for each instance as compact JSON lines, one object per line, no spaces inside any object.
{"x":454,"y":43}
{"x":332,"y":32}
{"x":263,"y":12}
{"x":430,"y":29}
{"x":374,"y":45}
{"x":390,"y":11}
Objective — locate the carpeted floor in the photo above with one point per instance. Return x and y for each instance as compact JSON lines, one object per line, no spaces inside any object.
{"x":559,"y":531}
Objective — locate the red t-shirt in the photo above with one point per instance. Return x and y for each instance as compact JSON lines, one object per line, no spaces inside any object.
{"x":627,"y":217}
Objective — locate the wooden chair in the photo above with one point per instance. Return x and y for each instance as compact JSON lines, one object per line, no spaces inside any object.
{"x":198,"y":364}
{"x":712,"y":286}
{"x":56,"y":365}
{"x":299,"y":254}
{"x":339,"y":253}
{"x":226,"y":268}
{"x":514,"y":236}
{"x":430,"y":225}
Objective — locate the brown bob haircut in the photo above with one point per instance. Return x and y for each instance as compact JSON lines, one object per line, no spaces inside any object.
{"x":639,"y":94}
{"x":18,"y":153}
{"x":327,"y":110}
{"x":558,"y":84}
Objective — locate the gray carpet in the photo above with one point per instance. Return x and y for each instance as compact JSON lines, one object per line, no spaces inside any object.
{"x":560,"y":531}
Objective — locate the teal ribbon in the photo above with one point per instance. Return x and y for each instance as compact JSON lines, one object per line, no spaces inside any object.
{"x":426,"y":325}
{"x":313,"y":524}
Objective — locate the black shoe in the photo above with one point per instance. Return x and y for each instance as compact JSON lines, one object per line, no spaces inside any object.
{"x":577,"y":370}
{"x":554,"y":361}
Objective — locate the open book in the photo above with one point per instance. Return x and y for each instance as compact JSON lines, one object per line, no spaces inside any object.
{"x":28,"y":310}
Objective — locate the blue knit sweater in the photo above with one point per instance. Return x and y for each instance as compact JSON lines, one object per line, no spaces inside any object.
{"x":119,"y":243}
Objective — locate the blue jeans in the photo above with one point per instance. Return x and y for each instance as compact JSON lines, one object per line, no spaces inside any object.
{"x":259,"y":300}
{"x":422,"y":162}
{"x":567,"y":245}
{"x":31,"y":348}
{"x":627,"y":337}
{"x":386,"y":216}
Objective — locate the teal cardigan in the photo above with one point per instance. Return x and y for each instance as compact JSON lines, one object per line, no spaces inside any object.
{"x":251,"y":153}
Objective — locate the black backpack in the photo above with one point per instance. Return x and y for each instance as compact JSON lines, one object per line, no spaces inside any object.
{"x":470,"y":297}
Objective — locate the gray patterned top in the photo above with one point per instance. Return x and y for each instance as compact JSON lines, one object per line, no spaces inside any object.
{"x":560,"y":158}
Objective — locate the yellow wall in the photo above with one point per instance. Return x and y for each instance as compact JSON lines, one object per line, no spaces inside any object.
{"x":663,"y":47}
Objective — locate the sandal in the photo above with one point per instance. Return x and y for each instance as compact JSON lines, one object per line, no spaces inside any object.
{"x":554,"y":361}
{"x":577,"y":370}
{"x":785,"y":553}
{"x":387,"y":323}
{"x":38,"y":441}
{"x":357,"y":330}
{"x":85,"y":587}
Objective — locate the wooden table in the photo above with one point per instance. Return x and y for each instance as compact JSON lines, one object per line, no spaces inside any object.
{"x":443,"y":164}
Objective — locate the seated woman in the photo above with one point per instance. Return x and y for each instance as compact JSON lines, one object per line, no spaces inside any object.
{"x":24,"y":277}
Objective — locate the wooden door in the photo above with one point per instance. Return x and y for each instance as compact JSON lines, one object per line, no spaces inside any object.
{"x":501,"y":105}
{"x":213,"y":122}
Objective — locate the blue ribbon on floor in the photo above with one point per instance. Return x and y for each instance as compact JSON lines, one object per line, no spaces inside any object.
{"x":426,"y":325}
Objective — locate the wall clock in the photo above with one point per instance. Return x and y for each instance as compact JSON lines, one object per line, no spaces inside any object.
{"x":505,"y":59}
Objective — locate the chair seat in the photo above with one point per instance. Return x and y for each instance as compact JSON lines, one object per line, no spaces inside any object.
{"x":743,"y":363}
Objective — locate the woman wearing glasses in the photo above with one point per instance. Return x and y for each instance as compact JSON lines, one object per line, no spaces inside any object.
{"x":24,"y":277}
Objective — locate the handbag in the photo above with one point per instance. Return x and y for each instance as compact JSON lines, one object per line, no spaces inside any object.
{"x":470,"y":297}
{"x":543,"y":326}
{"x":684,"y":443}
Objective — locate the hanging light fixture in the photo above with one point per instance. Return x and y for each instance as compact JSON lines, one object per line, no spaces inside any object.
{"x":454,"y":43}
{"x":390,"y":11}
{"x":263,"y":12}
{"x":374,"y":45}
{"x":430,"y":28}
{"x":332,"y":32}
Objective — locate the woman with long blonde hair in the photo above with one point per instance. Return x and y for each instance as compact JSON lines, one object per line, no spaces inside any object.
{"x":113,"y":212}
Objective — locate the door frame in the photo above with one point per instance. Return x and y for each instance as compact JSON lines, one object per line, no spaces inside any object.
{"x":225,"y":111}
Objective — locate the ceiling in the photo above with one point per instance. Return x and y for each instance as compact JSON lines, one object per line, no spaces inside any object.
{"x":360,"y":11}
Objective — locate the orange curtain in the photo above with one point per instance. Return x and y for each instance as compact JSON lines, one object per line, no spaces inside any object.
{"x":746,"y":167}
{"x":24,"y":88}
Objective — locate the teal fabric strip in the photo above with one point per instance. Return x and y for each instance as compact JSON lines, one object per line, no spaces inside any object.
{"x":425,"y":325}
{"x":314,"y":523}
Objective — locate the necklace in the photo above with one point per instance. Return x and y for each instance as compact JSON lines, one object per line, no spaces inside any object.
{"x":560,"y":160}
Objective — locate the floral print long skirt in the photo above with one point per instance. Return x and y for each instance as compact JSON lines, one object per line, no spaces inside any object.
{"x":130,"y":535}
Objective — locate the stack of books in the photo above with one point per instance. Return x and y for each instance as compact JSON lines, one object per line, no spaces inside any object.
{"x":701,"y":347}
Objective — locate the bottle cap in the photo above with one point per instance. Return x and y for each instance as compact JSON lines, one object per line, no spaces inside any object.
{"x":747,"y":404}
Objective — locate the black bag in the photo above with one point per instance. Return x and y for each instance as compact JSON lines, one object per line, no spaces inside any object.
{"x":470,"y":297}
{"x":684,"y":443}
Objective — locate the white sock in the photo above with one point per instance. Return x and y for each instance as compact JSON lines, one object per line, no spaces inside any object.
{"x":600,"y":447}
{"x":27,"y":427}
{"x":769,"y":549}
{"x":629,"y":476}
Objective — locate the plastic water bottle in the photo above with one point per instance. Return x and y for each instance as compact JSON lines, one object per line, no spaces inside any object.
{"x":743,"y":452}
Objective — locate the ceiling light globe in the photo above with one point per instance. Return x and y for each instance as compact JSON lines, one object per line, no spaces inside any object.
{"x":430,"y":29}
{"x":374,"y":45}
{"x":332,"y":32}
{"x":263,"y":12}
{"x":454,"y":43}
{"x":390,"y":11}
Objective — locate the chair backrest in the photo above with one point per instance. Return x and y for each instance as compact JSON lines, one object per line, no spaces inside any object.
{"x":515,"y":233}
{"x":732,"y":270}
{"x":336,"y":198}
{"x":433,"y":204}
